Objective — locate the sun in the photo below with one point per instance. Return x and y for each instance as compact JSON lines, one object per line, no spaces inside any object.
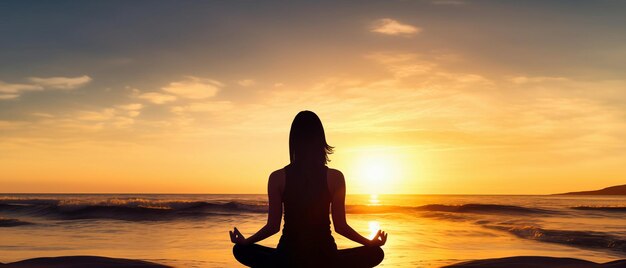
{"x":377,"y":172}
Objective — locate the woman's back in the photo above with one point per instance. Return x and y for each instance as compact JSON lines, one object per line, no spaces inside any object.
{"x":306,"y":234}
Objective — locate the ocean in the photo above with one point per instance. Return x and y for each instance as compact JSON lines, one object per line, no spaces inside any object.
{"x":424,"y":230}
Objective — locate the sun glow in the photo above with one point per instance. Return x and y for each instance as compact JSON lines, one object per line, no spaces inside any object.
{"x":377,"y":171}
{"x":374,"y":201}
{"x":374,"y":226}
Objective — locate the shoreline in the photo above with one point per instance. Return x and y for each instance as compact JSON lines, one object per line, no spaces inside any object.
{"x":81,"y":262}
{"x":536,"y":262}
{"x":506,"y":262}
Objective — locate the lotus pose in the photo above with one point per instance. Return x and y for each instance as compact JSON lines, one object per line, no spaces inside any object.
{"x":307,"y":189}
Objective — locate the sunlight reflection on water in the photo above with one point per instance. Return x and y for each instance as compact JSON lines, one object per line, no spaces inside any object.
{"x":374,"y":226}
{"x":374,"y":201}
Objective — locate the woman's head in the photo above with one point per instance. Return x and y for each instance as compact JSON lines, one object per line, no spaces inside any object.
{"x":307,"y":141}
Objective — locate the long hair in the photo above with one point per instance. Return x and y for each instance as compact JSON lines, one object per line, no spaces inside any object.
{"x":307,"y":141}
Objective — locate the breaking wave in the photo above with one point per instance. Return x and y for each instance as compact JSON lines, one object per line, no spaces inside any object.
{"x":135,"y":209}
{"x":583,"y":239}
{"x":131,"y":210}
{"x":603,"y":209}
{"x":12,"y":222}
{"x":485,"y":209}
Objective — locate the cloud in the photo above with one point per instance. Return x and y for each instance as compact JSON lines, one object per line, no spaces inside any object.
{"x":103,"y":115}
{"x":157,"y":98}
{"x":536,"y":79}
{"x":246,"y":82}
{"x":131,"y":107}
{"x":60,"y":82}
{"x":8,"y":96}
{"x":44,"y":115}
{"x":5,"y":125}
{"x":121,"y":116}
{"x":12,"y":91}
{"x":211,"y":106}
{"x":406,"y":65}
{"x":393,"y":27}
{"x":448,"y":2}
{"x":194,"y":88}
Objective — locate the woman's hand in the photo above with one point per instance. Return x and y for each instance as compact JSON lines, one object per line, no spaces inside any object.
{"x":237,"y":238}
{"x":378,"y":240}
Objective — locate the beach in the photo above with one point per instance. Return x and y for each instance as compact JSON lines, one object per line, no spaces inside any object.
{"x":424,"y":230}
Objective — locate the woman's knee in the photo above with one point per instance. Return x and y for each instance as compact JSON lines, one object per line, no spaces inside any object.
{"x":240,"y":252}
{"x":377,"y":255}
{"x":236,"y":249}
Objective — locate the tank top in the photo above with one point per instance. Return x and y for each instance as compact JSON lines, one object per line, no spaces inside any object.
{"x":306,"y":237}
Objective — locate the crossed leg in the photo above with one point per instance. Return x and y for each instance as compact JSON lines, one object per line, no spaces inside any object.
{"x":360,"y":257}
{"x":261,"y":256}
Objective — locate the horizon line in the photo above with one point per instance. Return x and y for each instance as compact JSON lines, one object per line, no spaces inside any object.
{"x":131,"y":193}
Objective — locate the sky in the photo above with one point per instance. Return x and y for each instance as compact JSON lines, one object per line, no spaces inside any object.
{"x":417,"y":96}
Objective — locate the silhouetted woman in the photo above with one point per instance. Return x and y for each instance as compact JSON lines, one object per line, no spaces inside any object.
{"x":307,"y":189}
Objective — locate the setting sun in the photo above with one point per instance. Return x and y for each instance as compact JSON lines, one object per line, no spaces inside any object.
{"x":377,"y":171}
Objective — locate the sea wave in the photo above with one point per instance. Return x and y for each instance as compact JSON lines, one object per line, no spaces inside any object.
{"x":603,"y":209}
{"x":484,"y":208}
{"x":133,"y":210}
{"x":136,"y":209}
{"x":12,"y":222}
{"x":583,"y":239}
{"x":465,"y":208}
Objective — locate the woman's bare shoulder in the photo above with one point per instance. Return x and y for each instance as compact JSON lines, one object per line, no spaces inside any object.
{"x":277,"y":177}
{"x":335,"y":177}
{"x":278,"y":173}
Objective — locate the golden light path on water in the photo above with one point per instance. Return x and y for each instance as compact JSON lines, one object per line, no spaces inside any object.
{"x":374,"y":226}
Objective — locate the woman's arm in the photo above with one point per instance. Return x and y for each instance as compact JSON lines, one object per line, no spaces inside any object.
{"x":275,"y":187}
{"x":338,"y":190}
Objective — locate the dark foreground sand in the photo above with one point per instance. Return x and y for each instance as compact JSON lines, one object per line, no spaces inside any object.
{"x":537,"y":262}
{"x":509,"y":262}
{"x":82,"y":262}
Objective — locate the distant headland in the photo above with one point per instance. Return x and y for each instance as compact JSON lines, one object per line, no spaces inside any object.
{"x":614,"y":190}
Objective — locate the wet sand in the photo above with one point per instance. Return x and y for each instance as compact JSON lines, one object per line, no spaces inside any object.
{"x":536,"y":262}
{"x":508,"y":262}
{"x":81,"y":262}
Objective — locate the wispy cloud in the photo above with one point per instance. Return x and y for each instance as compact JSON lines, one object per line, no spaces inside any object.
{"x":449,"y":2}
{"x":60,"y":82}
{"x":210,"y":106}
{"x":246,"y":82}
{"x":536,"y":79}
{"x":17,"y":88}
{"x":8,"y":96}
{"x":194,"y":88}
{"x":102,"y":115}
{"x":131,"y":107}
{"x":156,"y":97}
{"x":12,"y":90}
{"x":132,"y":110}
{"x":393,"y":27}
{"x":120,"y":116}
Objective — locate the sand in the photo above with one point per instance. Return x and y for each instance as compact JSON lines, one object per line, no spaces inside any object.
{"x":509,"y":262}
{"x":81,"y":262}
{"x":536,"y":262}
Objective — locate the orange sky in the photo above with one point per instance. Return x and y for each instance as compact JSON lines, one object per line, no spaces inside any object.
{"x":431,"y":97}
